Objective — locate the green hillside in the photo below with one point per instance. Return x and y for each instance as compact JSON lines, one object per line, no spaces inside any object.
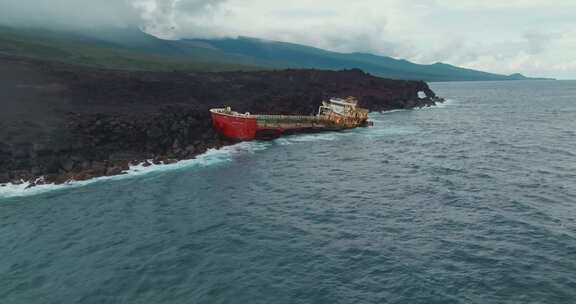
{"x":289,"y":54}
{"x":136,"y":50}
{"x":131,"y":50}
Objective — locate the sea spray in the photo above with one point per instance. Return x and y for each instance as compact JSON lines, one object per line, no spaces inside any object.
{"x":212,"y":157}
{"x":225,"y":154}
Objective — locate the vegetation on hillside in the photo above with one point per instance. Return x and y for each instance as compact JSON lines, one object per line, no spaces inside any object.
{"x":133,"y":49}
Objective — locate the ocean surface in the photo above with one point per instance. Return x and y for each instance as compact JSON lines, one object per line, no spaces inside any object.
{"x":472,"y":201}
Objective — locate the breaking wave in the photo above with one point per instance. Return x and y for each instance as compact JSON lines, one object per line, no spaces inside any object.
{"x":292,"y":139}
{"x":219,"y":156}
{"x":446,"y":103}
{"x":210,"y":158}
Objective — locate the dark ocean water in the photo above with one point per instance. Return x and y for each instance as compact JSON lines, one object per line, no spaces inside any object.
{"x":470,"y":202}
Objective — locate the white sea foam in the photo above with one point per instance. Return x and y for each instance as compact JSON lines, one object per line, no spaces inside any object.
{"x":211,"y":157}
{"x":394,"y":111}
{"x":293,"y":139}
{"x":385,"y":131}
{"x":216,"y":156}
{"x":447,"y":102}
{"x":328,"y":136}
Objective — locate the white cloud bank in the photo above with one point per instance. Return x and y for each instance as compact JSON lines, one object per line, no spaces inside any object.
{"x":534,"y":37}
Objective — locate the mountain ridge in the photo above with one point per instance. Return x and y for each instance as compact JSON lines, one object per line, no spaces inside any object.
{"x":134,"y":49}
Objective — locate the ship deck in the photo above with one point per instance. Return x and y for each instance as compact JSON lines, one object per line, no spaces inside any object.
{"x":291,"y":121}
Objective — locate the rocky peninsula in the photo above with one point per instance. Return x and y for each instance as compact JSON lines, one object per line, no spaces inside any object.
{"x":68,"y":122}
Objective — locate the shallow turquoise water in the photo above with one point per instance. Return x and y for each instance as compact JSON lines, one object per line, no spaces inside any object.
{"x":470,"y":202}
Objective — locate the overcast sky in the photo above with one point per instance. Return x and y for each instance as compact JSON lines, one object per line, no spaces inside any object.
{"x":533,"y":37}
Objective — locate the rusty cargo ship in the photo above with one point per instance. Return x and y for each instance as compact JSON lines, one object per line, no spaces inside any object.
{"x":334,"y":114}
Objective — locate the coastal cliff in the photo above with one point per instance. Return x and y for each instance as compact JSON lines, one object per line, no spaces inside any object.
{"x":67,"y":122}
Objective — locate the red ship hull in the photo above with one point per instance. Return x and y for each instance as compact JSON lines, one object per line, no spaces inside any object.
{"x":249,"y":127}
{"x":242,"y":128}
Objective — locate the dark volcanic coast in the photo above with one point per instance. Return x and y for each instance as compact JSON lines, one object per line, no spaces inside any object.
{"x":67,"y":122}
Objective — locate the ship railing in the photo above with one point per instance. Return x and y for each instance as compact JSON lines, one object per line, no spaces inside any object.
{"x":286,"y":117}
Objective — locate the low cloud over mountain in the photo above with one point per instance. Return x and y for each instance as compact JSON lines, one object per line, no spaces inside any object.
{"x":532,"y":37}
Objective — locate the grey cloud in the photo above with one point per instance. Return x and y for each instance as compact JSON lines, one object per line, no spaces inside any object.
{"x":195,"y":7}
{"x":423,"y":31}
{"x":69,"y":13}
{"x":160,"y":20}
{"x":161,"y":17}
{"x":538,"y":42}
{"x":182,"y":18}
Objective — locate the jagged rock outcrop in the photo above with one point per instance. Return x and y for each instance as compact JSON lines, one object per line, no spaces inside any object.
{"x":70,"y":122}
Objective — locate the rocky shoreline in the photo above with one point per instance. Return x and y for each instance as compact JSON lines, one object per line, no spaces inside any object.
{"x":65,"y":122}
